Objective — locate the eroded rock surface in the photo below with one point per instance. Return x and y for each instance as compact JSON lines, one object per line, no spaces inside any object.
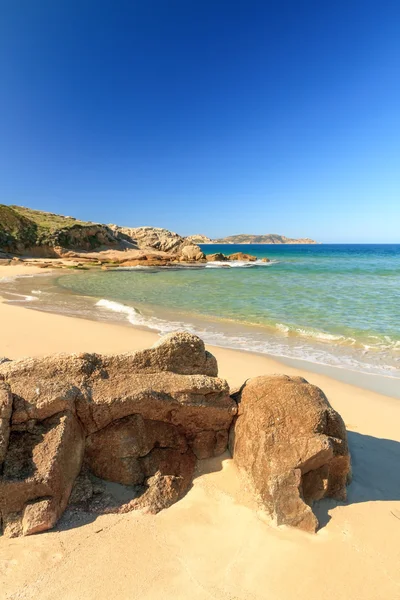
{"x":138,"y":419}
{"x":291,"y":446}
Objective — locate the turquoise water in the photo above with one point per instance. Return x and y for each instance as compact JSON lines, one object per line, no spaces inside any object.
{"x":332,"y":304}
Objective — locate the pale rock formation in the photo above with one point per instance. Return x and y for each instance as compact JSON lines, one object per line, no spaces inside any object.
{"x":291,"y":446}
{"x":191,"y":254}
{"x":154,"y":238}
{"x":199,"y":238}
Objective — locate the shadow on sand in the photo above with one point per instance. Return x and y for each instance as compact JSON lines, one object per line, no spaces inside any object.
{"x":376,"y":474}
{"x":376,"y":477}
{"x":117,"y":494}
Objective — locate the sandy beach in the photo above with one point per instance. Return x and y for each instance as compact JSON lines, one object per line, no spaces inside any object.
{"x":213,"y":543}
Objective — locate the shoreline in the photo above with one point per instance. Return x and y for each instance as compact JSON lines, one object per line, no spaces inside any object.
{"x":213,"y":543}
{"x":387,"y":385}
{"x":57,"y":333}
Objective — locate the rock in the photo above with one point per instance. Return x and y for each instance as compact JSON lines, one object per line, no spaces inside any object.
{"x":152,"y":237}
{"x":191,"y":253}
{"x":5,"y":418}
{"x":242,"y":256}
{"x":39,"y":516}
{"x":266,"y":260}
{"x":180,"y":352}
{"x":120,"y":452}
{"x":162,"y":240}
{"x":39,"y":470}
{"x":138,"y":419}
{"x":199,"y":238}
{"x":291,"y":446}
{"x":218,"y":256}
{"x":164,"y":490}
{"x":148,"y":260}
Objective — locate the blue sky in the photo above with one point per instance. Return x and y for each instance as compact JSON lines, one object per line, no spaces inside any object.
{"x":213,"y":117}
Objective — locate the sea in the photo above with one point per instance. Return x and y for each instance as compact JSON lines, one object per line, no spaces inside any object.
{"x":335,"y":305}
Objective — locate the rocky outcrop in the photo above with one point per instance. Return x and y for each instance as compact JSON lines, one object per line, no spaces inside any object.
{"x":199,"y":238}
{"x":71,"y":424}
{"x":139,"y":419}
{"x":34,"y":232}
{"x":152,"y":238}
{"x":291,"y":446}
{"x":48,"y":235}
{"x":191,"y":254}
{"x":217,"y":257}
{"x":242,"y":256}
{"x":238,"y":256}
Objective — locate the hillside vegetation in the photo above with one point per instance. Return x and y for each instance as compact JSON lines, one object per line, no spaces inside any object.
{"x":23,"y":228}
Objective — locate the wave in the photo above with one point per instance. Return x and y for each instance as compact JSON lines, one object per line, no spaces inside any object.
{"x":231,"y":264}
{"x":312,"y":333}
{"x":217,"y":264}
{"x":23,"y":297}
{"x":136,"y":318}
{"x":380,"y":343}
{"x":323,"y":354}
{"x":11,"y":278}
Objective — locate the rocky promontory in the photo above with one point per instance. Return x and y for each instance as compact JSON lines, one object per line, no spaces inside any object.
{"x":26,"y":232}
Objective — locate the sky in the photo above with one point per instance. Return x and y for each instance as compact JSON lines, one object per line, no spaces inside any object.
{"x":206,"y":117}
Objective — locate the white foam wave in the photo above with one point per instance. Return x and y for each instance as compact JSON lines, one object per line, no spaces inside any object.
{"x":216,"y":264}
{"x":226,"y":264}
{"x":271,"y":346}
{"x":136,"y":318}
{"x":21,"y":297}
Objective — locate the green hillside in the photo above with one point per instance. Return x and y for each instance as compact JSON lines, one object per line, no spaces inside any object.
{"x":22,"y":228}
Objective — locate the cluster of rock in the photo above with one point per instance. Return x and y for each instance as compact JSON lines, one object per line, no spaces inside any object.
{"x":70,"y":422}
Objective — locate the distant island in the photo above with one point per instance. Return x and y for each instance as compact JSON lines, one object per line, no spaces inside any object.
{"x":247,"y":238}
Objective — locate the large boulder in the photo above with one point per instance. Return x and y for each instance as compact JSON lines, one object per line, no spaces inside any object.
{"x":138,"y":419}
{"x":191,"y":253}
{"x":291,"y":446}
